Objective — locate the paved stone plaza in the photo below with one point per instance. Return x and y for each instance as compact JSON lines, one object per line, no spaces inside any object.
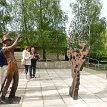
{"x":51,"y":89}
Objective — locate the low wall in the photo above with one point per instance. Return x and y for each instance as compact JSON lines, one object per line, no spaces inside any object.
{"x":44,"y":64}
{"x":53,"y":64}
{"x":50,"y":65}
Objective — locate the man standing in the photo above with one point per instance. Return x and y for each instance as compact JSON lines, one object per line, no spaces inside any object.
{"x":12,"y":69}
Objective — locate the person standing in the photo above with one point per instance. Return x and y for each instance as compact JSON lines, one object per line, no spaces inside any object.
{"x":35,"y":58}
{"x":26,"y":57}
{"x":12,"y":69}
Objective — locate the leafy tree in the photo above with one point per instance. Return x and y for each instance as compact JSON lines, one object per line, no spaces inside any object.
{"x":42,"y":17}
{"x":87,"y":25}
{"x":4,"y":16}
{"x":49,"y":18}
{"x":38,"y":20}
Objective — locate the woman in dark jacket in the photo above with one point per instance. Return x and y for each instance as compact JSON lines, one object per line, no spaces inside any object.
{"x":33,"y":62}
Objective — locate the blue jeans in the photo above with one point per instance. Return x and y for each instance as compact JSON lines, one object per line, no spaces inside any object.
{"x":32,"y":69}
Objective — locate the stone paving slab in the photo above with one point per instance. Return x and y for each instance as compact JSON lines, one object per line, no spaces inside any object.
{"x":50,"y":88}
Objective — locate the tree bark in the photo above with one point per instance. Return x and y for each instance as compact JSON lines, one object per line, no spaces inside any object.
{"x":44,"y":54}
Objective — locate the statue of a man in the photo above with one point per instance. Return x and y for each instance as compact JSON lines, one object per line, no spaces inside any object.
{"x":12,"y":69}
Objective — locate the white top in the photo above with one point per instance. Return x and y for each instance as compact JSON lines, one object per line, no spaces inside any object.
{"x":27,"y":57}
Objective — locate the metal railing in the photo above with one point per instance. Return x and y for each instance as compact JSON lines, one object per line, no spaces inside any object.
{"x":96,"y":64}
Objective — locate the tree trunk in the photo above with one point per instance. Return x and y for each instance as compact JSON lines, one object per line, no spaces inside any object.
{"x":57,"y":57}
{"x":66,"y":56}
{"x":44,"y":54}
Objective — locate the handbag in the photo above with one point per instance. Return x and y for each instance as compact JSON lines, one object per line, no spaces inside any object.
{"x":23,"y":61}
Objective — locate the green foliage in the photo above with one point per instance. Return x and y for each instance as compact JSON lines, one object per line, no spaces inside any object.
{"x":98,"y":39}
{"x":42,"y":24}
{"x":88,"y":26}
{"x":4,"y":16}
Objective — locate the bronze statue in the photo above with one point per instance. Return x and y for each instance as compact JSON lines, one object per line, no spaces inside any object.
{"x":77,"y":57}
{"x":12,"y":69}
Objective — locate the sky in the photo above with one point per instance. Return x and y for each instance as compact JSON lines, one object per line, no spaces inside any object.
{"x":65,"y":6}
